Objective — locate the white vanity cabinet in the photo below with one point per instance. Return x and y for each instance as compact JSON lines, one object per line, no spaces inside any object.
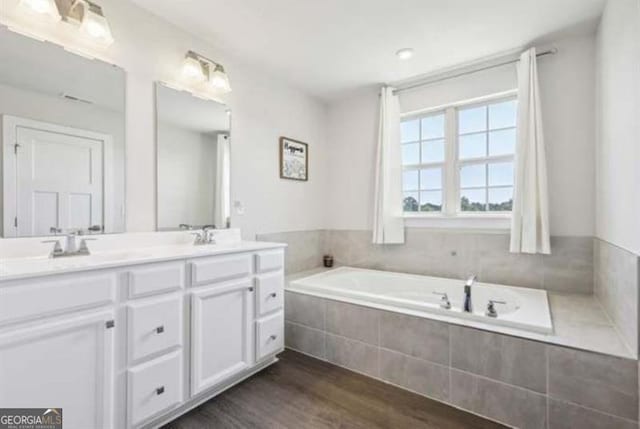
{"x":134,"y":346}
{"x":221,"y":333}
{"x":64,"y":359}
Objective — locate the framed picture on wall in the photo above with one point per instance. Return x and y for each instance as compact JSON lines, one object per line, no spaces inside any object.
{"x":294,"y":159}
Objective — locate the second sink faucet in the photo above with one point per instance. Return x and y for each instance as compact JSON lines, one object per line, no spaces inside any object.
{"x":468,"y":306}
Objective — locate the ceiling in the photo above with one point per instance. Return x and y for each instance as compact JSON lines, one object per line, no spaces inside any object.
{"x":327,"y":47}
{"x":46,"y":68}
{"x":183,"y":110}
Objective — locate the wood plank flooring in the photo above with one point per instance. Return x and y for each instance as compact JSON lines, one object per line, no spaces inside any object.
{"x":300,"y":392}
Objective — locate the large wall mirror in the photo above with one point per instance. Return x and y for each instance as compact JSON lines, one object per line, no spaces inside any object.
{"x":62,"y":119}
{"x":193,"y":161}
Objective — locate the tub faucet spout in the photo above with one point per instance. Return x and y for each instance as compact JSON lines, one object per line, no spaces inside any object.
{"x":468,"y":307}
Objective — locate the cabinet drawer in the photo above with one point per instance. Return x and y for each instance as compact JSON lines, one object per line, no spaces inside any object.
{"x":269,"y":335}
{"x":39,"y":297}
{"x":269,"y":261}
{"x":156,"y":278}
{"x":154,"y":326}
{"x":270,"y":293}
{"x":221,"y":268}
{"x":154,"y":387}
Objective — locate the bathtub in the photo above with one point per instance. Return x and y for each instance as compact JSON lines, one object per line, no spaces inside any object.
{"x":525,"y":309}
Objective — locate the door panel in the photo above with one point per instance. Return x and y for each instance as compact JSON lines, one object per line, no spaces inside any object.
{"x":53,"y":166}
{"x":222,"y":334}
{"x":66,"y":364}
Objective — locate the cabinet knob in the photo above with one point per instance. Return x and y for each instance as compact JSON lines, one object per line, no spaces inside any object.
{"x":273,"y":337}
{"x":160,"y":390}
{"x":273,"y":295}
{"x":250,"y":289}
{"x":159,"y":329}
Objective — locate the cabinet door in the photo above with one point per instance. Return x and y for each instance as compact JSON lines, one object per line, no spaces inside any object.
{"x":222,"y":336}
{"x":64,"y":364}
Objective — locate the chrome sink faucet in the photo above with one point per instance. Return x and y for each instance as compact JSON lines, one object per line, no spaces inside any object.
{"x":468,"y":306}
{"x":71,"y":247}
{"x":204,"y":237}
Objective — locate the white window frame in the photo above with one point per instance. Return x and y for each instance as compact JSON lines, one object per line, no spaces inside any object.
{"x":451,"y":214}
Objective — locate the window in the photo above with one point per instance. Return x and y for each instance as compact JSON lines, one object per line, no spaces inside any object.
{"x":460,"y":159}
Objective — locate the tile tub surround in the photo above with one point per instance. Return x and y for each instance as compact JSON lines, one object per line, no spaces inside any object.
{"x":450,"y":254}
{"x":617,"y":280}
{"x":519,"y":382}
{"x":305,"y":248}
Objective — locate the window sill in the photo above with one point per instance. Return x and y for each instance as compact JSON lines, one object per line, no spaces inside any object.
{"x":499,"y":222}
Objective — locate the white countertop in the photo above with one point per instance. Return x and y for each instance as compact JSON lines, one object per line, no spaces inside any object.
{"x":27,"y":267}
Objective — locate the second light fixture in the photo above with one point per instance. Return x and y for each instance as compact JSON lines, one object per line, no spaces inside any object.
{"x":200,"y":69}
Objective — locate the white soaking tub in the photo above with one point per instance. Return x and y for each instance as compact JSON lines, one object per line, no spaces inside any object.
{"x":526,"y":309}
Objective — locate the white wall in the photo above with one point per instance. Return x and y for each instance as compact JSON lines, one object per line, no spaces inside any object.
{"x":264,"y":108}
{"x":567,"y":90}
{"x":618,"y":147}
{"x":186,"y":176}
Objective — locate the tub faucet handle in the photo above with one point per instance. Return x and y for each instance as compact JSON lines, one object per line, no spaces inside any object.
{"x":491,"y":309}
{"x":444,"y":301}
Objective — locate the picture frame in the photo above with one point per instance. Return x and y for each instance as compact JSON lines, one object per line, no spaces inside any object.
{"x":294,"y":159}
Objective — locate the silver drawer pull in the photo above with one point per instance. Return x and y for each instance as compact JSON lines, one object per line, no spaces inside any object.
{"x":160,"y":390}
{"x":159,"y":329}
{"x":273,"y":337}
{"x":250,"y":289}
{"x":273,"y":295}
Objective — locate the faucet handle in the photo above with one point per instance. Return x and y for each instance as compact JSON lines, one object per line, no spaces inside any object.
{"x":471,"y":280}
{"x":491,"y":309}
{"x":444,"y":301}
{"x":57,"y":248}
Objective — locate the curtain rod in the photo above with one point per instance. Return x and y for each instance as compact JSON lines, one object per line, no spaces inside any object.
{"x":552,"y":51}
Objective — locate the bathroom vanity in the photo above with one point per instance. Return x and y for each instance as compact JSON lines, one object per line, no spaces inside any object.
{"x":134,"y":339}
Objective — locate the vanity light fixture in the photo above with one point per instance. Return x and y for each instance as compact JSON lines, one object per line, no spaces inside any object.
{"x":94,"y":24}
{"x":197,"y":68}
{"x":405,"y":53}
{"x":42,"y":8}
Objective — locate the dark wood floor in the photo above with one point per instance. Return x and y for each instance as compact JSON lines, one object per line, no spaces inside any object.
{"x":301,"y":392}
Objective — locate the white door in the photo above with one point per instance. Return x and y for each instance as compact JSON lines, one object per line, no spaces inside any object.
{"x":222,"y":336}
{"x":66,"y":364}
{"x":59,"y":181}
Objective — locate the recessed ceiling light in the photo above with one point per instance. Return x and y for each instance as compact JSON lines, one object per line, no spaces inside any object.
{"x":405,"y":54}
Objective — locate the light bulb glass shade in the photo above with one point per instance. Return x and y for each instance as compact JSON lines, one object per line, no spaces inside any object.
{"x":42,"y":8}
{"x":192,"y":69}
{"x":96,"y":27}
{"x":219,"y":80}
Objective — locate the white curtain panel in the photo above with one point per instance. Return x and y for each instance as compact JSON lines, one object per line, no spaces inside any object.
{"x":223,"y":182}
{"x":530,"y":219}
{"x":388,"y":223}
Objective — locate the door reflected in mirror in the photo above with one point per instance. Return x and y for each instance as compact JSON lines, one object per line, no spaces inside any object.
{"x":193,"y":161}
{"x":63,"y":134}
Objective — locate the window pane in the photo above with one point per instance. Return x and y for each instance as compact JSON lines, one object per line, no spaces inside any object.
{"x":472,"y":120}
{"x":410,"y":131}
{"x":473,"y":175}
{"x":433,"y":127}
{"x":502,"y":142}
{"x":411,"y":154}
{"x":410,"y":180}
{"x":473,"y":200}
{"x":500,"y":199}
{"x":431,"y":178}
{"x":502,"y":115}
{"x":433,"y":151}
{"x":410,"y":202}
{"x":501,"y":173}
{"x":473,"y":146}
{"x":431,"y":201}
